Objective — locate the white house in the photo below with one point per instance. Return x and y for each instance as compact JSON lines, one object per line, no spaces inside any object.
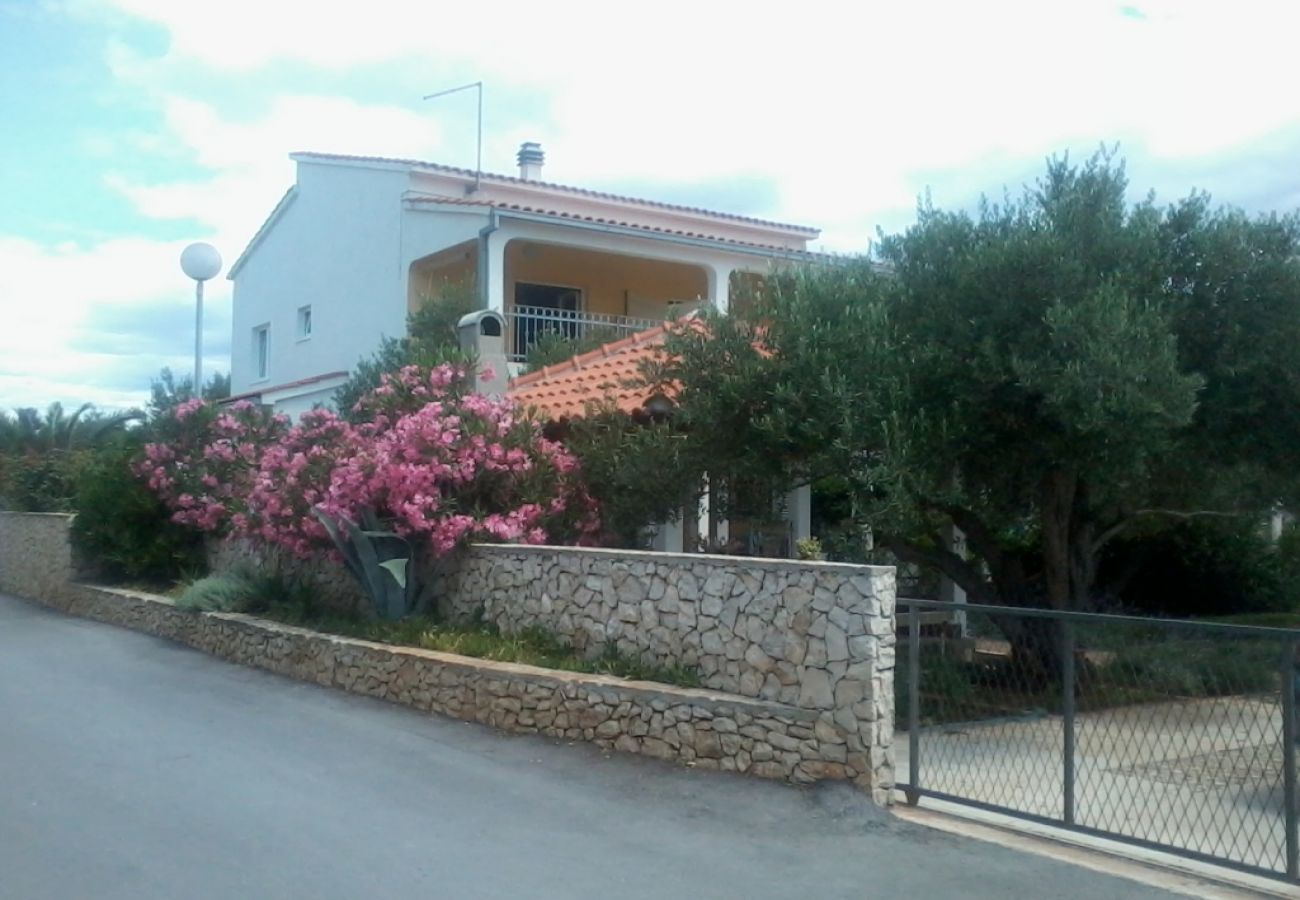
{"x":358,"y":242}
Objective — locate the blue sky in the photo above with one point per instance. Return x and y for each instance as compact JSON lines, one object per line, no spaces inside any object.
{"x":133,"y":127}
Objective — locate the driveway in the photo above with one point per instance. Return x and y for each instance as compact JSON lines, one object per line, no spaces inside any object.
{"x":135,"y":768}
{"x":1202,"y":775}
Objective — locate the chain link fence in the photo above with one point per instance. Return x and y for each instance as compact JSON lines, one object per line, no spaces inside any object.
{"x":1169,"y":734}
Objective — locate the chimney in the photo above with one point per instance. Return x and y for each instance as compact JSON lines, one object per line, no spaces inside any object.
{"x":531,"y":158}
{"x":482,"y":336}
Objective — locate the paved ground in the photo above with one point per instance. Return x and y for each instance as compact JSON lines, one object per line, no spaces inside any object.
{"x":134,"y":768}
{"x":1203,"y":775}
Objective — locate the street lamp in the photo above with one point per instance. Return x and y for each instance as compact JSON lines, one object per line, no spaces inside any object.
{"x":199,"y":261}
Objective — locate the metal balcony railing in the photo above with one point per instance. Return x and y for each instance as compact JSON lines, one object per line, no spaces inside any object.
{"x":529,"y":324}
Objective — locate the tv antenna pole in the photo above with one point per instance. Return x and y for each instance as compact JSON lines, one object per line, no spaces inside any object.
{"x":478,"y":86}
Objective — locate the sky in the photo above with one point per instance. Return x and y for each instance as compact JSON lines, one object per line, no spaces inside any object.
{"x":134,"y":127}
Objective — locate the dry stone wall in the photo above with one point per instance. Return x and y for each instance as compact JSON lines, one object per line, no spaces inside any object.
{"x":813,"y":636}
{"x":35,"y":555}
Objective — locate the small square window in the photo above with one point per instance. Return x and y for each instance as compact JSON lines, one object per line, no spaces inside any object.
{"x":304,"y":322}
{"x":262,"y":350}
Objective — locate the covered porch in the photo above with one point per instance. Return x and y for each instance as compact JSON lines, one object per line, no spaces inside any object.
{"x":547,"y":284}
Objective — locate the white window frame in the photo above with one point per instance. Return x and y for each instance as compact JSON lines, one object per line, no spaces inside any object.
{"x":262,"y":352}
{"x":305,"y":322}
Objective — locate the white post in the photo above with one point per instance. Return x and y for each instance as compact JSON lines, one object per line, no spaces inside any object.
{"x":703,"y":514}
{"x":199,"y":261}
{"x":798,"y":512}
{"x":949,"y":590}
{"x":494,"y":272}
{"x":720,"y":532}
{"x":720,"y":287}
{"x":198,"y":339}
{"x":670,"y":537}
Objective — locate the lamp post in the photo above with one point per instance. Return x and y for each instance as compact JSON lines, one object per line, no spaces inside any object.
{"x":199,"y":261}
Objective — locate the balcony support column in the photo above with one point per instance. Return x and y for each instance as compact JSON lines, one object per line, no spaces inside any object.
{"x":720,"y":286}
{"x":492,"y":268}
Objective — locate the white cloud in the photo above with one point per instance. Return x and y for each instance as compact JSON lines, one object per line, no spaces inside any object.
{"x":48,"y":300}
{"x":844,"y":106}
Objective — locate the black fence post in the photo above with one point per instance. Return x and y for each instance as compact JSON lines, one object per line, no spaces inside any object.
{"x":1067,"y":721}
{"x":914,"y":705}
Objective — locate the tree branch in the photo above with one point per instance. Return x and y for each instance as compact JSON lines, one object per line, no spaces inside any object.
{"x":947,"y":562}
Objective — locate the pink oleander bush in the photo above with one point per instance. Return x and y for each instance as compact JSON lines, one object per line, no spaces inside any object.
{"x":435,"y":464}
{"x":206,"y":463}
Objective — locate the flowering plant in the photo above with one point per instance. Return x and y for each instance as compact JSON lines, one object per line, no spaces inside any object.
{"x":431,"y":463}
{"x":207,"y":459}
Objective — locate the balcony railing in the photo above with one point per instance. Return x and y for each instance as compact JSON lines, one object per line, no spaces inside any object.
{"x":529,"y":324}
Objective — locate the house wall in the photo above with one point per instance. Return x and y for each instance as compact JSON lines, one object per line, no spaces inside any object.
{"x":334,"y":247}
{"x":611,"y":284}
{"x":457,"y":265}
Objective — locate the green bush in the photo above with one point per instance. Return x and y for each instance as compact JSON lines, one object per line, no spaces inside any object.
{"x":39,"y":481}
{"x":122,"y":530}
{"x":1204,"y":567}
{"x":552,"y":347}
{"x":260,"y":589}
{"x":217,"y":593}
{"x":1191,"y":667}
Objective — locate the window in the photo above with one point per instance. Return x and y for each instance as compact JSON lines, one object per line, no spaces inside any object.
{"x":304,"y":322}
{"x":261,"y":351}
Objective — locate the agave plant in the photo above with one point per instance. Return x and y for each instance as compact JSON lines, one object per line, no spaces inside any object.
{"x":382,"y":562}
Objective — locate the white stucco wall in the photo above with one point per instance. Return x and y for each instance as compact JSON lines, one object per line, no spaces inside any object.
{"x":335,"y":247}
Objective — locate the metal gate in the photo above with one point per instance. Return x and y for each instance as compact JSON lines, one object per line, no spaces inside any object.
{"x":1173,"y":735}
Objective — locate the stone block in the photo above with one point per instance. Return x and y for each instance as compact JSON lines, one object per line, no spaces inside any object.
{"x":815,"y":690}
{"x":837,"y":645}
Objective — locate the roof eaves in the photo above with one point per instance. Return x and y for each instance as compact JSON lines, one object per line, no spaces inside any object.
{"x":805,"y":231}
{"x":662,"y":234}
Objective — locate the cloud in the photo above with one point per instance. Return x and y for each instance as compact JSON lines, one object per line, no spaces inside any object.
{"x":68,"y":311}
{"x":847,"y":108}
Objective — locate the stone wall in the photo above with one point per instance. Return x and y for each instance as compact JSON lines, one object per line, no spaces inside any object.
{"x":35,"y":554}
{"x":813,"y":636}
{"x":703,"y":729}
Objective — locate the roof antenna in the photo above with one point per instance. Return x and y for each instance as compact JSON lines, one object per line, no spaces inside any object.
{"x":478,"y":85}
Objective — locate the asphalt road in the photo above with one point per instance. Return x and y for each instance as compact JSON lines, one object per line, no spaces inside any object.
{"x":134,"y":768}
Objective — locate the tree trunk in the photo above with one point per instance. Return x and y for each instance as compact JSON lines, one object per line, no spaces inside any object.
{"x":1056,"y":515}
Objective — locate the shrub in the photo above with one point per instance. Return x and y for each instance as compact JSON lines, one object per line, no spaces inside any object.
{"x":553,"y":347}
{"x":39,"y":481}
{"x":1203,"y":567}
{"x":258,"y":589}
{"x":122,"y":529}
{"x":217,"y":593}
{"x":426,"y":467}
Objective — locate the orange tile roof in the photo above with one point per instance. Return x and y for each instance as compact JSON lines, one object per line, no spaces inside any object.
{"x":563,"y":391}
